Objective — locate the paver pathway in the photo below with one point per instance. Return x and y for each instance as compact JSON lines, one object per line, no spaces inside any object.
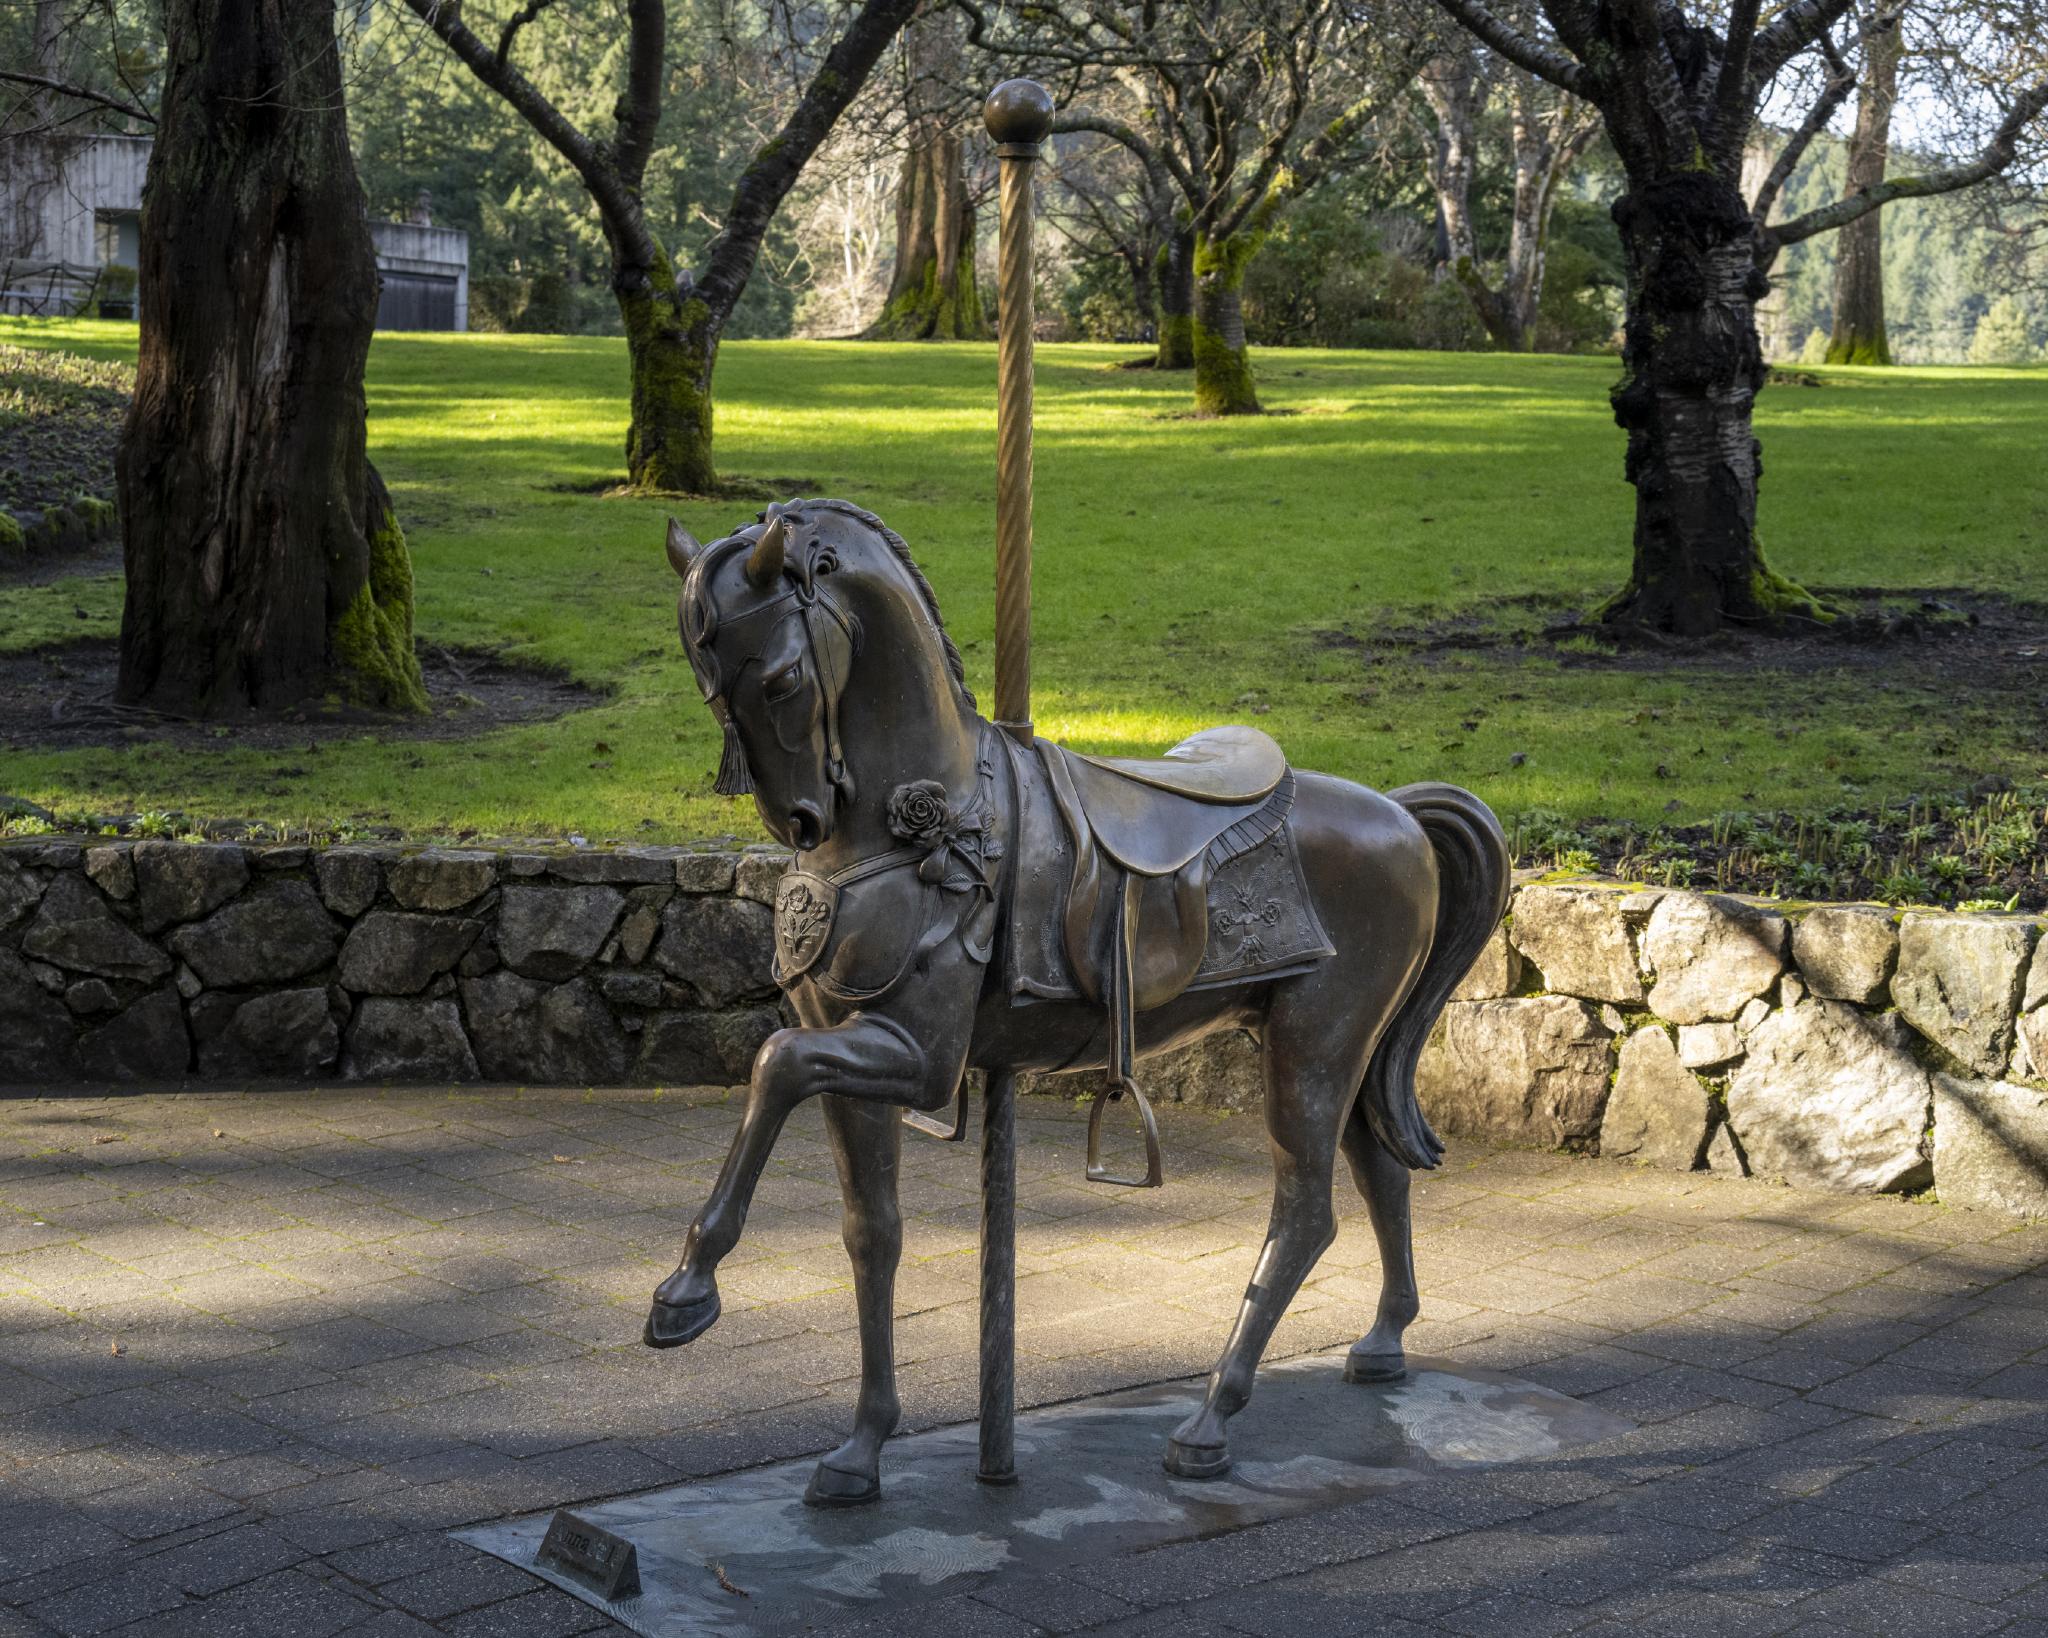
{"x":258,"y":1352}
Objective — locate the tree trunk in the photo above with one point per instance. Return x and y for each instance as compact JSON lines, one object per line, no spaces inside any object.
{"x":1691,"y":368}
{"x":933,"y":296}
{"x":1223,"y":365}
{"x":1858,"y":336}
{"x":1177,"y":301}
{"x":265,"y":567}
{"x":671,"y":350}
{"x":1139,"y":260}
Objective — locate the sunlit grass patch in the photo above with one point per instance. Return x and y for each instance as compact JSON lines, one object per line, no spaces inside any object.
{"x":1188,"y":572}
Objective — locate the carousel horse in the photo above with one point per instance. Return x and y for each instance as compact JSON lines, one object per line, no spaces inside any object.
{"x":962,"y":898}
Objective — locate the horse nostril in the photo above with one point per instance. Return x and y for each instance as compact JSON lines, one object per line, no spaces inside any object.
{"x":805,"y":823}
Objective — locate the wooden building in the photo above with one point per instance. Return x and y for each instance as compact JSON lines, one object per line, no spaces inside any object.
{"x":71,"y":206}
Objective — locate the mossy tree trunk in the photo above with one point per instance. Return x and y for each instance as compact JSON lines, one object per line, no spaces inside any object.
{"x":1177,"y":301}
{"x":673,"y":320}
{"x":1858,"y":335}
{"x":1223,"y":365}
{"x":265,"y":566}
{"x":933,"y":295}
{"x":1691,"y":369}
{"x":671,"y":350}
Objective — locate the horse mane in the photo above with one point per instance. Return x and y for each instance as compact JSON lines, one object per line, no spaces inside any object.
{"x":897,"y":545}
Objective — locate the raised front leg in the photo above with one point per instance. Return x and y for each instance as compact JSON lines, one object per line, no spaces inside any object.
{"x":867,"y":1144}
{"x":866,"y":1058}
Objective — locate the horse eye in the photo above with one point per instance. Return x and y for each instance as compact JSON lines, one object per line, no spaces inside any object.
{"x":783,"y":683}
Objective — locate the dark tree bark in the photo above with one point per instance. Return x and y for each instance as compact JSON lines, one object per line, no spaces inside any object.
{"x":1177,"y":301}
{"x":1691,"y":368}
{"x":1678,"y":101}
{"x":933,"y":295}
{"x":1858,"y":335}
{"x":674,"y":317}
{"x":264,"y":564}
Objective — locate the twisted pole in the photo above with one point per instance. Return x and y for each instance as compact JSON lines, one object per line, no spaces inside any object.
{"x":1018,"y":114}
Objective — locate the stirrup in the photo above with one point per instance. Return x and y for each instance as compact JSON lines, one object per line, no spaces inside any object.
{"x":932,"y":1126}
{"x":1113,"y":1089}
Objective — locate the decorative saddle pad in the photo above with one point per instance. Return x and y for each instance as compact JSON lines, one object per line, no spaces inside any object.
{"x":1261,"y":922}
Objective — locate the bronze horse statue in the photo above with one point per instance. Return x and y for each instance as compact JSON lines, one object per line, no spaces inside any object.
{"x":963,"y":898}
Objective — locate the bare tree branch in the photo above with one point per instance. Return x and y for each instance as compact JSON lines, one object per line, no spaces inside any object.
{"x":517,"y":21}
{"x":1992,"y":158}
{"x":1161,"y":164}
{"x":1795,"y":28}
{"x":80,"y":93}
{"x":617,"y":202}
{"x":639,"y":110}
{"x":778,"y":162}
{"x":1540,"y":60}
{"x":1732,"y":90}
{"x":1840,"y":82}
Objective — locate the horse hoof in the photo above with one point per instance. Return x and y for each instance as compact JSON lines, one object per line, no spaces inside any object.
{"x":1197,"y":1461}
{"x":1375,"y":1367}
{"x":670,"y":1325}
{"x":836,"y":1487}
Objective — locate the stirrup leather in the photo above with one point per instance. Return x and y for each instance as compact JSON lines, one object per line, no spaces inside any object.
{"x":1122,"y":1000}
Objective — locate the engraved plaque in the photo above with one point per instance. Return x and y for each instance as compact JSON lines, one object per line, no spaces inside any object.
{"x":585,"y":1552}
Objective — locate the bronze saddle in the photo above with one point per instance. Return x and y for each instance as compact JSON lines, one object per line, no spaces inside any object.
{"x":1148,"y":833}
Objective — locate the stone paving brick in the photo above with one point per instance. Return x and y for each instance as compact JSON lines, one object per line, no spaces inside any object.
{"x":363,"y":1317}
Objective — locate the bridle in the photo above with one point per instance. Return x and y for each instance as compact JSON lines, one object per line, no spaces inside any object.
{"x":787,"y":550}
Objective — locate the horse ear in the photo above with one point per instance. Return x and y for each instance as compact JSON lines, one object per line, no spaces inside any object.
{"x":764,"y":565}
{"x":682,"y":548}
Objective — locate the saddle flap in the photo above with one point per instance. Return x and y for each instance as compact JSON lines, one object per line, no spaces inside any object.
{"x":1148,"y":827}
{"x":1231,"y":764}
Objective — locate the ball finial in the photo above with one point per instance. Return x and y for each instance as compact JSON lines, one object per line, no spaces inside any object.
{"x":1018,"y":113}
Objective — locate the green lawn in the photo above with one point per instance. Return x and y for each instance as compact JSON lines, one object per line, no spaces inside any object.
{"x":1188,"y":572}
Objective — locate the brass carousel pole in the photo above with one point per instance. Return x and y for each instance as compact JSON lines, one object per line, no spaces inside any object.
{"x":1018,"y":114}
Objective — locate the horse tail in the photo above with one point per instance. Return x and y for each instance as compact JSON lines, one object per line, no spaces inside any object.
{"x":1472,"y":896}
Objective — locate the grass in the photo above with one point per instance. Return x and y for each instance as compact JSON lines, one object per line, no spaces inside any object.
{"x":1188,"y":572}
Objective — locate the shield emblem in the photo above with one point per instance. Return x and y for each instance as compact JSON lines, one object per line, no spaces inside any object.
{"x":804,"y":907}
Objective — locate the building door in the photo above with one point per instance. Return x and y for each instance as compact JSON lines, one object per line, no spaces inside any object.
{"x":416,"y":301}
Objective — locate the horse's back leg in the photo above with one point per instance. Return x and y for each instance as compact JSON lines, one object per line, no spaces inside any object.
{"x":1319,"y":1034}
{"x":867,"y":1144}
{"x":1315,"y":1051}
{"x":1383,"y":1180}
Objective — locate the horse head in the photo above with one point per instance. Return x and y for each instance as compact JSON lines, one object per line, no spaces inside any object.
{"x":773,"y":617}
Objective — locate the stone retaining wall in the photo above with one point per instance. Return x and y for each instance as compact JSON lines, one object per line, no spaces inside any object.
{"x":1844,"y":1046}
{"x":128,"y":962}
{"x":1838,"y":1046}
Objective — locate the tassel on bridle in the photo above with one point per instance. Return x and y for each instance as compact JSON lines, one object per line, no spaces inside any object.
{"x":734,"y":779}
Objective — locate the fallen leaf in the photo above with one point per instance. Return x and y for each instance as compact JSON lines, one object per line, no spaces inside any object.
{"x":116,"y":1349}
{"x":725,"y":1585}
{"x":567,"y":1160}
{"x":106,"y":1137}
